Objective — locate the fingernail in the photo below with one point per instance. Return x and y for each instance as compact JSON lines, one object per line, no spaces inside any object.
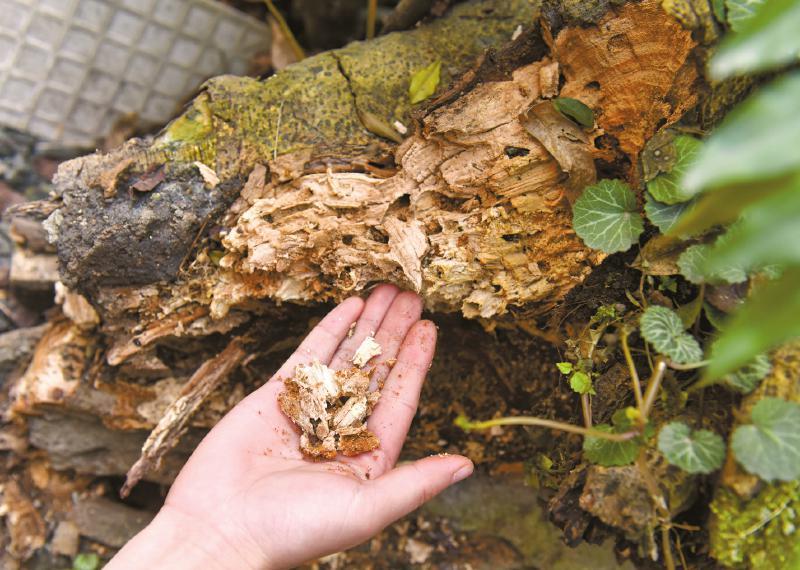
{"x":463,"y":472}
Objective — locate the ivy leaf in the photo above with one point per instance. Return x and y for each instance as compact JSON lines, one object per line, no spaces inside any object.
{"x":739,"y":11}
{"x":667,"y":187}
{"x":663,"y":216}
{"x":757,"y":140}
{"x":581,"y":383}
{"x":770,"y":446}
{"x":694,"y":451}
{"x":606,"y":216}
{"x":86,"y":561}
{"x":663,"y":329}
{"x":575,"y":110}
{"x":610,"y":453}
{"x":424,"y":82}
{"x":766,"y":320}
{"x":564,"y":367}
{"x":694,"y":262}
{"x":766,"y":40}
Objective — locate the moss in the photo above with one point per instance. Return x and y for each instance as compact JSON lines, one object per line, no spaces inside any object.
{"x":760,"y":533}
{"x":314,"y":103}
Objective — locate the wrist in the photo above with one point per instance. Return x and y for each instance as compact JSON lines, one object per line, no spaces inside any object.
{"x":176,"y":540}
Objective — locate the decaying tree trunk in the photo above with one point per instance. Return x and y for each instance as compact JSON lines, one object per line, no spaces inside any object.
{"x":266,"y":198}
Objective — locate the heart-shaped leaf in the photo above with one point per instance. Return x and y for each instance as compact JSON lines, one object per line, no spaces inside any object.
{"x":610,"y":453}
{"x":767,"y":319}
{"x":700,"y":451}
{"x":606,"y":216}
{"x":663,"y":216}
{"x":581,"y":383}
{"x":740,"y":11}
{"x":693,"y":264}
{"x":770,"y":446}
{"x":663,"y":329}
{"x":667,"y":187}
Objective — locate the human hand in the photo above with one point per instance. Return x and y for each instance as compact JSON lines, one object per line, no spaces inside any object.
{"x":247,"y":498}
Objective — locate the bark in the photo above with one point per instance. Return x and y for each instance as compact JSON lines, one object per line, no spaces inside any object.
{"x":265,"y":199}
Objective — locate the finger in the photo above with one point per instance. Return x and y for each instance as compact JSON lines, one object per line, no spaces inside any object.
{"x":259,"y":413}
{"x":404,"y":489}
{"x":322,"y":342}
{"x":404,"y":312}
{"x":395,"y":410}
{"x":375,"y":309}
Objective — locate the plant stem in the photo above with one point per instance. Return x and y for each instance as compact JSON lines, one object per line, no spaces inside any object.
{"x":372,"y":14}
{"x":669,"y":561}
{"x":552,"y":424}
{"x":285,"y":30}
{"x":637,"y":385}
{"x":653,"y":385}
{"x":586,"y":408}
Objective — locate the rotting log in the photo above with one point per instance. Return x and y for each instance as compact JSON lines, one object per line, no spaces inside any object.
{"x":265,"y":199}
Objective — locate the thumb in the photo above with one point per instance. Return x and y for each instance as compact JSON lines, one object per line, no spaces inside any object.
{"x":408,"y":486}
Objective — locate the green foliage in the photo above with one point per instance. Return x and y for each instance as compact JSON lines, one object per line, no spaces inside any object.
{"x":86,"y":561}
{"x":581,"y":383}
{"x":748,"y":377}
{"x":768,"y":233}
{"x":564,"y":367}
{"x":757,"y":140}
{"x":663,"y":329}
{"x":739,"y":11}
{"x":694,"y":266}
{"x":424,"y":82}
{"x":767,"y":319}
{"x":610,"y":453}
{"x":606,"y":216}
{"x":664,"y":216}
{"x":667,"y":187}
{"x":575,"y":110}
{"x":766,"y":40}
{"x":770,"y":446}
{"x":694,"y":451}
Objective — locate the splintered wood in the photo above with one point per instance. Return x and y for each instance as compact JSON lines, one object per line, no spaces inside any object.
{"x":332,"y":406}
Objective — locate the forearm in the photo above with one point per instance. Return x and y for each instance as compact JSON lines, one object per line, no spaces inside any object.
{"x":173,"y":540}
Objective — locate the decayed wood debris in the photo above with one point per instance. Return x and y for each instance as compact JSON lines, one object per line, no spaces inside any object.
{"x":279,"y":191}
{"x":332,"y":406}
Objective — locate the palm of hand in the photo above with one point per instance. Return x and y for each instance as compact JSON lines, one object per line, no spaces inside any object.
{"x":248,"y":481}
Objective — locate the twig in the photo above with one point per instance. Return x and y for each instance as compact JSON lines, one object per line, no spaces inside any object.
{"x":406,"y":14}
{"x":637,"y":385}
{"x":372,"y":16}
{"x":464,"y":423}
{"x":285,"y":30}
{"x":172,"y":424}
{"x":652,"y":386}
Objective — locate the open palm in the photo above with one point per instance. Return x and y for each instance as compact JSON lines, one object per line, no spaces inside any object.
{"x":261,"y":504}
